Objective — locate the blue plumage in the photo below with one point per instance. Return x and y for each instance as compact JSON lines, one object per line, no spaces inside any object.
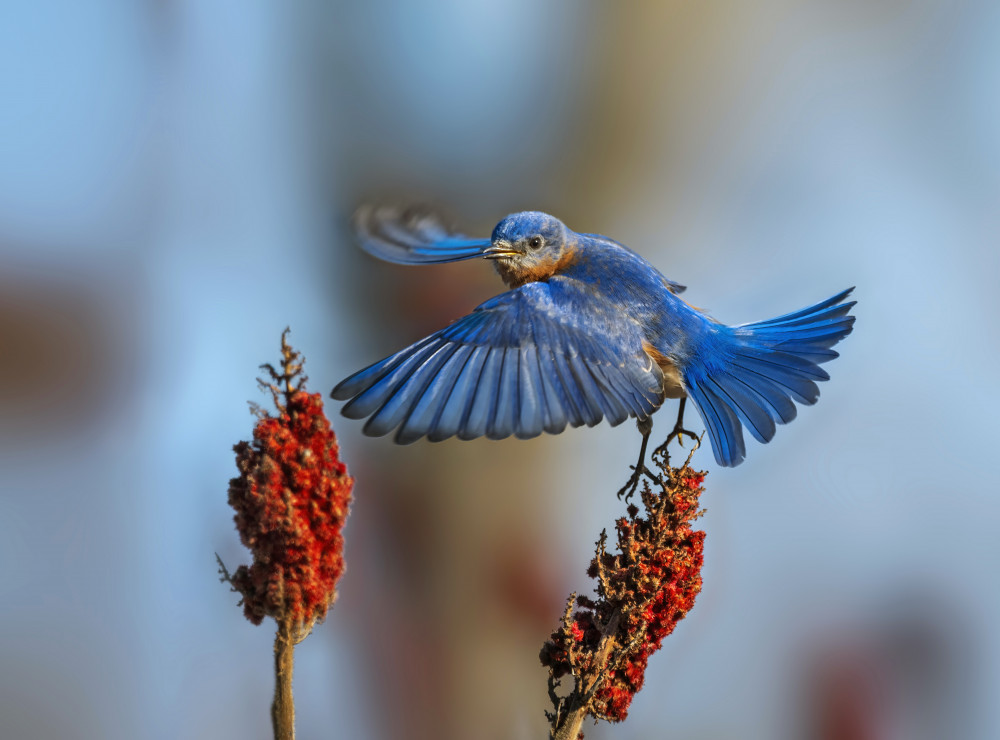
{"x":588,"y":331}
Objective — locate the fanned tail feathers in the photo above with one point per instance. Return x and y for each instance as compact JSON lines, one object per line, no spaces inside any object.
{"x":760,"y":369}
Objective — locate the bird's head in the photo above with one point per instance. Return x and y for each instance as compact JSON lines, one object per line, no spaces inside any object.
{"x":530,"y":246}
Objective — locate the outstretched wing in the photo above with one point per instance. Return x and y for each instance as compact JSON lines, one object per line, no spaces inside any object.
{"x":412,"y":235}
{"x":525,"y":362}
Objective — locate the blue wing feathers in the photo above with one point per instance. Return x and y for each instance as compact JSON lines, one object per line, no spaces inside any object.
{"x":536,"y":413}
{"x":484,"y":397}
{"x":561,"y":405}
{"x":504,"y":418}
{"x":577,"y":407}
{"x":533,"y":416}
{"x":588,"y":394}
{"x":611,"y":405}
{"x":363,"y":379}
{"x":399,"y":403}
{"x":614,"y":384}
{"x":557,"y":416}
{"x":391,"y":407}
{"x":380,"y":387}
{"x":457,"y":405}
{"x":421,"y":402}
{"x":621,"y":400}
{"x":611,"y":400}
{"x":425,"y":412}
{"x":412,"y":236}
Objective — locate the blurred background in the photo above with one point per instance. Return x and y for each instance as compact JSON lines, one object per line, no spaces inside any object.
{"x":176,"y":179}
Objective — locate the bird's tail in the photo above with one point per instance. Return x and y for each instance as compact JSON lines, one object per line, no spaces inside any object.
{"x":758,"y":371}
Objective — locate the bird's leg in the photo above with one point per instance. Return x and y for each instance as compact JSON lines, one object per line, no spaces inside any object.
{"x":678,"y":433}
{"x":645,"y":428}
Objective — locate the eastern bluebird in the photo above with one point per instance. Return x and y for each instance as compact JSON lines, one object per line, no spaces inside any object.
{"x":588,"y":329}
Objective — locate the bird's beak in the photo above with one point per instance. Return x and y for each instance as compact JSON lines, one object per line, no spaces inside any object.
{"x":499,"y":250}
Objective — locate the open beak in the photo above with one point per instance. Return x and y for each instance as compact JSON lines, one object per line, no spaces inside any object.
{"x":499,"y":251}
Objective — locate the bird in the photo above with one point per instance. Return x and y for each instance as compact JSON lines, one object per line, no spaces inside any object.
{"x":587,"y":330}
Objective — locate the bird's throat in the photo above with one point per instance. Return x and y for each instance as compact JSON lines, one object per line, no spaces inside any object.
{"x":515,"y":273}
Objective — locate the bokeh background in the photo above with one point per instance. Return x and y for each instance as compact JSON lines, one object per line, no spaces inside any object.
{"x":176,"y":179}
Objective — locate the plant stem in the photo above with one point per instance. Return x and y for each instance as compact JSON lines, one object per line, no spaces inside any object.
{"x":573,"y":721}
{"x":283,"y":708}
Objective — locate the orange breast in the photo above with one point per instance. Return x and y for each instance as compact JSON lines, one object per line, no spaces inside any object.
{"x":514,"y":276}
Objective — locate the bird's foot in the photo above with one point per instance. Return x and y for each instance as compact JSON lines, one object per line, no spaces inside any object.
{"x":678,"y":433}
{"x":633,"y":482}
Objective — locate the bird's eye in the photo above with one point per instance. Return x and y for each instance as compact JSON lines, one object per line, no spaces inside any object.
{"x":535,"y":242}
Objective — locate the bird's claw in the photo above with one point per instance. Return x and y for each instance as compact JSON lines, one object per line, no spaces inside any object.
{"x":678,"y":433}
{"x":633,"y":482}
